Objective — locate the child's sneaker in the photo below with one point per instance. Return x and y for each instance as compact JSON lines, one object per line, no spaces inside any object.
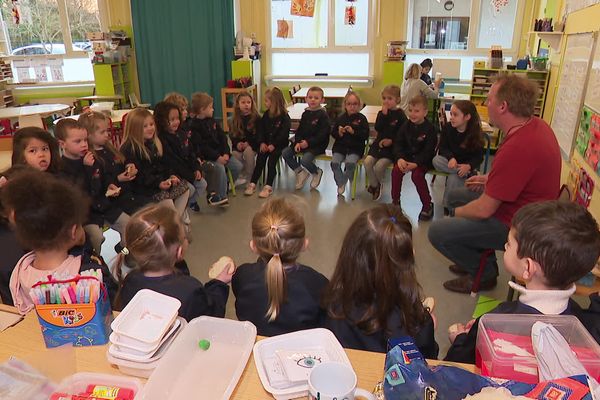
{"x":341,"y":190}
{"x":240,"y":181}
{"x":316,"y":179}
{"x":301,"y":178}
{"x":426,"y":214}
{"x":195,"y":207}
{"x":250,"y":189}
{"x":265,"y":192}
{"x":216,"y":200}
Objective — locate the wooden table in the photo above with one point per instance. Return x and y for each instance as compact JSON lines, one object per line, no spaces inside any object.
{"x":328,"y":93}
{"x":90,"y":99}
{"x":116,"y":116}
{"x":32,"y":115}
{"x":24,"y":341}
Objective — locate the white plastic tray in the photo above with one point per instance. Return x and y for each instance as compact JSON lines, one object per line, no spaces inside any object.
{"x":141,"y":370}
{"x":187,"y":371}
{"x":124,"y":353}
{"x":296,"y":341}
{"x":147,"y":317}
{"x":140,"y":349}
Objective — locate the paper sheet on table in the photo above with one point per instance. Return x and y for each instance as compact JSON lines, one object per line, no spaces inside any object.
{"x":554,"y":356}
{"x":8,"y":319}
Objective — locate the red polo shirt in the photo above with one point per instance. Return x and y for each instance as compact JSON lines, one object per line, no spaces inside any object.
{"x":526,"y":169}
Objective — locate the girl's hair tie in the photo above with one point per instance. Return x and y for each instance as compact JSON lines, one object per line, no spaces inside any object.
{"x":125,"y":251}
{"x":393,"y":219}
{"x":275,"y":254}
{"x":274,"y":227}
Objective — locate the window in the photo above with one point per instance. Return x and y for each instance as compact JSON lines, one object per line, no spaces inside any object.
{"x":496,"y":23}
{"x":48,"y":43}
{"x":327,"y":37}
{"x":440,"y":24}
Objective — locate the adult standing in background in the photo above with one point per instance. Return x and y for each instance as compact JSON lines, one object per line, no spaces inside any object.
{"x":526,"y":169}
{"x":413,"y":86}
{"x":426,"y":66}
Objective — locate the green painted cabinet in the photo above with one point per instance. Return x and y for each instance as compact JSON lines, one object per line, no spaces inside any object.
{"x":113,"y":79}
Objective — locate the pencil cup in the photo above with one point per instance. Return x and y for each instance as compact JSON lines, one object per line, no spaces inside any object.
{"x":334,"y":381}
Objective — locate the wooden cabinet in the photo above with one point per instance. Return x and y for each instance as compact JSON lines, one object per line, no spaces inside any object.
{"x":228,"y":96}
{"x":113,"y":79}
{"x":483,"y":79}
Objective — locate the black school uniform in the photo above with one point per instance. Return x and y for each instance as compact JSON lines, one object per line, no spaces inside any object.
{"x":208,"y":139}
{"x":463,"y":348}
{"x":178,"y":154}
{"x":350,"y":336}
{"x":300,"y":310}
{"x":126,"y":200}
{"x":416,"y":143}
{"x":387,"y":126}
{"x":350,"y":143}
{"x":251,"y":133}
{"x":150,"y":172}
{"x":275,"y":130}
{"x":426,"y":78}
{"x":196,"y":299}
{"x":93,"y":182}
{"x":11,"y":252}
{"x":452,"y":146}
{"x":314,"y":127}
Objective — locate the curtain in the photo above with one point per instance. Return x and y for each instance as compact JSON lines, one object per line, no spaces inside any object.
{"x":184,"y":46}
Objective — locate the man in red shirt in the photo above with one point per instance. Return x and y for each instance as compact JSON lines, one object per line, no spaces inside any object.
{"x":526,"y":169}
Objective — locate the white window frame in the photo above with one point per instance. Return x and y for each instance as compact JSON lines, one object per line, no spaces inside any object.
{"x":331,"y":48}
{"x":474,"y":22}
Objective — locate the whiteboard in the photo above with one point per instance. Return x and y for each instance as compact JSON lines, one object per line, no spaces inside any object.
{"x":571,"y":86}
{"x":592,"y":94}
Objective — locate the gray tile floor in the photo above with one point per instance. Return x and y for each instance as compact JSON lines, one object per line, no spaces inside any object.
{"x":218,"y":232}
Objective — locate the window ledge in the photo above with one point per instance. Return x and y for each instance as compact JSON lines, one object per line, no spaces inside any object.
{"x":356,"y":81}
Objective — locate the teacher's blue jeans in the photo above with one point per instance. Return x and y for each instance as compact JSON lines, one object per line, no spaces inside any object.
{"x":462,"y":240}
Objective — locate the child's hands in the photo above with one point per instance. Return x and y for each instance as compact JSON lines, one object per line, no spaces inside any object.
{"x":385,"y":143}
{"x":88,"y":159}
{"x":402,"y":165}
{"x":241,"y":146}
{"x":222,"y":160}
{"x":297,"y":148}
{"x":197,"y":175}
{"x":263,"y":148}
{"x":458,"y":329}
{"x":463,"y":169}
{"x":410,"y":166}
{"x":222,"y":270}
{"x":113,"y":190}
{"x":226,"y":157}
{"x":452,"y":163}
{"x":341,"y":130}
{"x":174,"y":180}
{"x":3,"y":181}
{"x":271,"y":148}
{"x":165,"y":185}
{"x":303,"y":144}
{"x":349,"y":130}
{"x":384,"y":109}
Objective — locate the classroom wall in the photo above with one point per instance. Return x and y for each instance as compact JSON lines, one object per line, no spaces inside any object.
{"x":435,"y":9}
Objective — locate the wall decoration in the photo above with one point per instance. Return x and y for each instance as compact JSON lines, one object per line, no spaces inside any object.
{"x":592,"y":153}
{"x":573,"y":179}
{"x":498,"y":4}
{"x":583,"y":133}
{"x":449,"y":5}
{"x":350,"y":16}
{"x":583,"y":196}
{"x":285,"y":29}
{"x":303,"y":8}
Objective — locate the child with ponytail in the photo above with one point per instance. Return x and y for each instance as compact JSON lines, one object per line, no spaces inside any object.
{"x":276,"y":293}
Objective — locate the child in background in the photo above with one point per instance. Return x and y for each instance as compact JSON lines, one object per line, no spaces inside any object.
{"x":276,"y":126}
{"x":246,"y":129}
{"x":350,"y":131}
{"x":181,"y":102}
{"x":210,"y":144}
{"x":426,"y":66}
{"x":37,"y":148}
{"x":80,"y":167}
{"x":154,"y":181}
{"x":461,"y":147}
{"x":550,"y":246}
{"x":374,"y":294}
{"x":311,"y":139}
{"x":414,"y":148}
{"x":156,"y":241}
{"x":111,"y":163}
{"x":48,"y":215}
{"x":381,"y":155}
{"x":277,"y":294}
{"x":178,"y":154}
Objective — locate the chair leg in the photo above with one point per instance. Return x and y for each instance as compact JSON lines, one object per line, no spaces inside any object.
{"x":482,"y":261}
{"x":354,"y":180}
{"x":231,"y":182}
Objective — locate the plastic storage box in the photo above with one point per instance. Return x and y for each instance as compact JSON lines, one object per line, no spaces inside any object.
{"x":498,"y":333}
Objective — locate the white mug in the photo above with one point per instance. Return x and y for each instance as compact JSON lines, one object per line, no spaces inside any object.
{"x":334,"y":381}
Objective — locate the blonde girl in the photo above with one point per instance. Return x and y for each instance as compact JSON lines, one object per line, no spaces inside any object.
{"x":350,"y":131}
{"x":245,"y":134}
{"x":276,"y":293}
{"x":413,"y":86}
{"x":156,"y":242}
{"x":276,"y":124}
{"x":141,"y":147}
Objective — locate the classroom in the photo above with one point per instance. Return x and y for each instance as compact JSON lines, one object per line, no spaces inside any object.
{"x":322,"y":199}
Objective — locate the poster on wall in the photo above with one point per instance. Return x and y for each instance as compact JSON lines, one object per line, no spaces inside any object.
{"x":350,"y":16}
{"x":285,"y":29}
{"x":592,"y":153}
{"x":303,"y":8}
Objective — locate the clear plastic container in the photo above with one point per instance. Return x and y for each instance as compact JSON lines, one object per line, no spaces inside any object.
{"x":498,"y":331}
{"x":138,"y":348}
{"x":79,"y":382}
{"x":147,"y":317}
{"x":189,"y":372}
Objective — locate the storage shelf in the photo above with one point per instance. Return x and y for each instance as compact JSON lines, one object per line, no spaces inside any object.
{"x":554,"y":39}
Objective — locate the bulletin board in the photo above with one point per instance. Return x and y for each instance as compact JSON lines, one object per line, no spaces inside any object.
{"x":571,"y":87}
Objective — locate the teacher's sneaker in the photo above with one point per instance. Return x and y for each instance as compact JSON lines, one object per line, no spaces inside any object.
{"x":316,"y":179}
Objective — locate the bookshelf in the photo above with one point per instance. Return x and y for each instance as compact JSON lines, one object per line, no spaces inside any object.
{"x":113,"y":79}
{"x":483,"y":79}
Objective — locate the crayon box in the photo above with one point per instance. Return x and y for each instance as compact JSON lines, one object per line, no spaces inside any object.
{"x":86,"y":324}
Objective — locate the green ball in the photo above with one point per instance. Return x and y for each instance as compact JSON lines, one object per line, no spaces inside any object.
{"x":204,"y":344}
